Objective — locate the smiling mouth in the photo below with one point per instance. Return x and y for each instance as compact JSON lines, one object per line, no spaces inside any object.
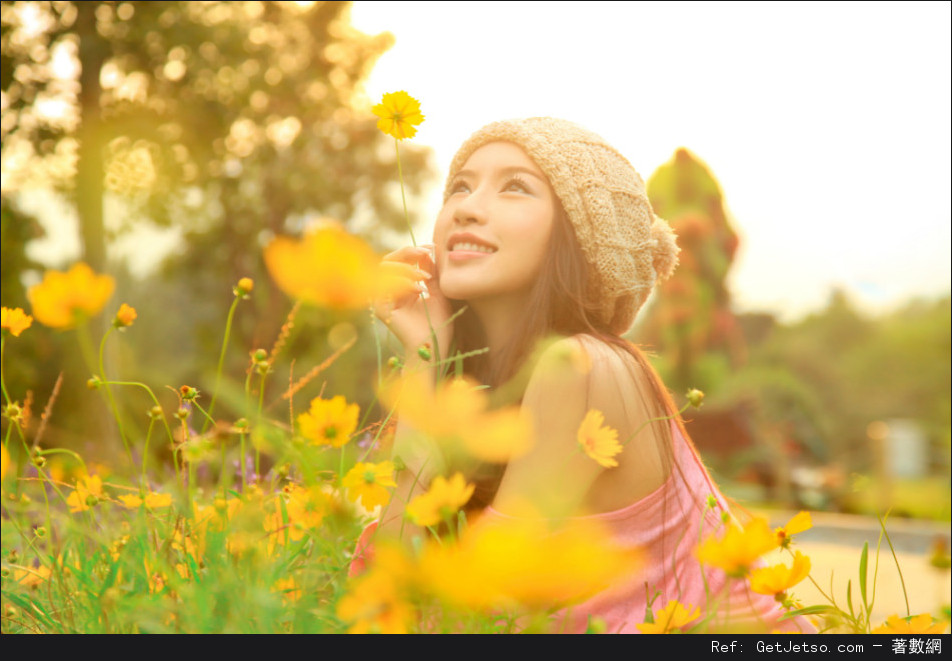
{"x":465,"y":246}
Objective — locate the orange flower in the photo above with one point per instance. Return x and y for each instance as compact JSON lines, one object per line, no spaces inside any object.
{"x":599,"y":442}
{"x":524,"y":561}
{"x":63,"y":300}
{"x":739,"y":548}
{"x":919,"y":624}
{"x":368,"y":483}
{"x":329,"y":421}
{"x":456,"y":412}
{"x":398,"y":112}
{"x":776,"y":580}
{"x":125,"y":316}
{"x":800,"y":522}
{"x":328,"y":267}
{"x":673,"y":617}
{"x":442,"y":501}
{"x":14,"y":321}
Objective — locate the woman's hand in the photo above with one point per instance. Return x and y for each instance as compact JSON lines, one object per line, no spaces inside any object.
{"x":413,"y":316}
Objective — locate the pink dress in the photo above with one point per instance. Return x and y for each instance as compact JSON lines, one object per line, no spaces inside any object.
{"x":666,"y":525}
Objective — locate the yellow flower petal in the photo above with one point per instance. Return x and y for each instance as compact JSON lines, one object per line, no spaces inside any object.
{"x":15,"y":321}
{"x":62,"y":300}
{"x":442,"y":500}
{"x":329,"y":421}
{"x":398,"y":112}
{"x":597,"y":441}
{"x":368,"y":483}
{"x":738,"y":548}
{"x":780,"y":578}
{"x":674,"y":616}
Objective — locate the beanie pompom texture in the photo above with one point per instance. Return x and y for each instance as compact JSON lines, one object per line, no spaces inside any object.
{"x":628,"y":248}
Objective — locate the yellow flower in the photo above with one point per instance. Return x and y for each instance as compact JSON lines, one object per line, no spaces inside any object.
{"x":456,"y":411}
{"x":288,"y":588}
{"x":800,"y":522}
{"x":368,"y":483}
{"x":329,"y":421}
{"x":63,"y":300}
{"x":87,"y":493}
{"x":739,"y":548}
{"x":29,"y":577}
{"x":153,"y":501}
{"x":4,"y":461}
{"x":441,"y":502}
{"x":918,"y":624}
{"x":125,"y":316}
{"x":398,"y":113}
{"x":523,"y":561}
{"x":305,"y":509}
{"x":599,"y":442}
{"x":14,"y":320}
{"x":375,"y":602}
{"x":674,"y":616}
{"x":329,"y":267}
{"x":777,"y":579}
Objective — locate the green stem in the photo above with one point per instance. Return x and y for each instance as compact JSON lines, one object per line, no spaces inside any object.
{"x":155,"y":401}
{"x":892,"y":550}
{"x":3,"y":383}
{"x":221,"y":358}
{"x":112,"y":400}
{"x":403,"y":194}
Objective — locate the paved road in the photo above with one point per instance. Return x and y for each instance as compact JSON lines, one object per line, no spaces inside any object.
{"x":834,"y":545}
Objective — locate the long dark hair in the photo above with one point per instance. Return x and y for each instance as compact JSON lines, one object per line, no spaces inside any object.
{"x":561,"y":303}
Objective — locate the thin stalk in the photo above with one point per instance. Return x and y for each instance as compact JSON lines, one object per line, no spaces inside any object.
{"x":112,"y":400}
{"x":221,"y":357}
{"x":403,"y":194}
{"x":3,"y":383}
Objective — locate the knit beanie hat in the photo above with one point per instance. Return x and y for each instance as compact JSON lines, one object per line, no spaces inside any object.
{"x":627,"y":247}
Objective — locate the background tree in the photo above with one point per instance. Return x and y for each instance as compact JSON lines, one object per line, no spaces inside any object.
{"x":228,"y":122}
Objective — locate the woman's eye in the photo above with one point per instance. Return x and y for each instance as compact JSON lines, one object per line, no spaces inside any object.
{"x":516,"y":185}
{"x":459,"y":187}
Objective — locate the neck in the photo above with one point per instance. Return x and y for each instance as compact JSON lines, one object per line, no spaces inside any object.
{"x":500,"y":318}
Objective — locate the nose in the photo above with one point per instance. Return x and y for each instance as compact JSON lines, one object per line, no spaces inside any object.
{"x":471,"y":209}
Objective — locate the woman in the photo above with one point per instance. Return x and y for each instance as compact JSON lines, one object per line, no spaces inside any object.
{"x":547,"y":230}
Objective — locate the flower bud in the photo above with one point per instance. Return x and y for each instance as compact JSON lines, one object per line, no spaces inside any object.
{"x":711,"y":501}
{"x":94,"y":383}
{"x":241,"y":424}
{"x":188,"y":393}
{"x":424,"y":352}
{"x":394,"y":363}
{"x":41,"y":531}
{"x":155,"y":412}
{"x":5,"y":573}
{"x":695,"y":397}
{"x":13,"y":411}
{"x":39,"y":462}
{"x":182,"y":413}
{"x":244,"y":287}
{"x":13,"y":557}
{"x":125,"y":316}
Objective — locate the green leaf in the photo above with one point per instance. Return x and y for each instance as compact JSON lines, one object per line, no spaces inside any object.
{"x":810,"y":610}
{"x":849,"y":597}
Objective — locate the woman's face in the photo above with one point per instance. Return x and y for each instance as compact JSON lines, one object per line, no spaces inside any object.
{"x":492,"y":234}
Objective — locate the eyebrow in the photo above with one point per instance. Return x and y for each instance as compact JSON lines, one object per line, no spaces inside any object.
{"x":512,"y":169}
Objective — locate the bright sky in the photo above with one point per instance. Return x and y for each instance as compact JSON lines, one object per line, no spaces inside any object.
{"x":828,"y":125}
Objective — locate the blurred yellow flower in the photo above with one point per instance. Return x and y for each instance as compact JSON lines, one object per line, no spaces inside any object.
{"x":456,"y":411}
{"x":125,"y":316}
{"x":777,"y":579}
{"x":737,"y":550}
{"x":674,"y":616}
{"x":329,"y":421}
{"x":14,"y":321}
{"x":597,"y":441}
{"x":4,"y":462}
{"x":368,"y":483}
{"x":398,"y":113}
{"x":522,"y":561}
{"x":800,"y":522}
{"x":330,"y":268}
{"x":918,"y":624}
{"x":63,"y":300}
{"x":305,"y":509}
{"x":376,"y":601}
{"x":87,"y":493}
{"x":31,"y":577}
{"x":441,"y":501}
{"x":152,"y":501}
{"x":288,"y":588}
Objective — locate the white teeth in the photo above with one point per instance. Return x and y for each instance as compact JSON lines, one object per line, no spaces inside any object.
{"x":473,"y":247}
